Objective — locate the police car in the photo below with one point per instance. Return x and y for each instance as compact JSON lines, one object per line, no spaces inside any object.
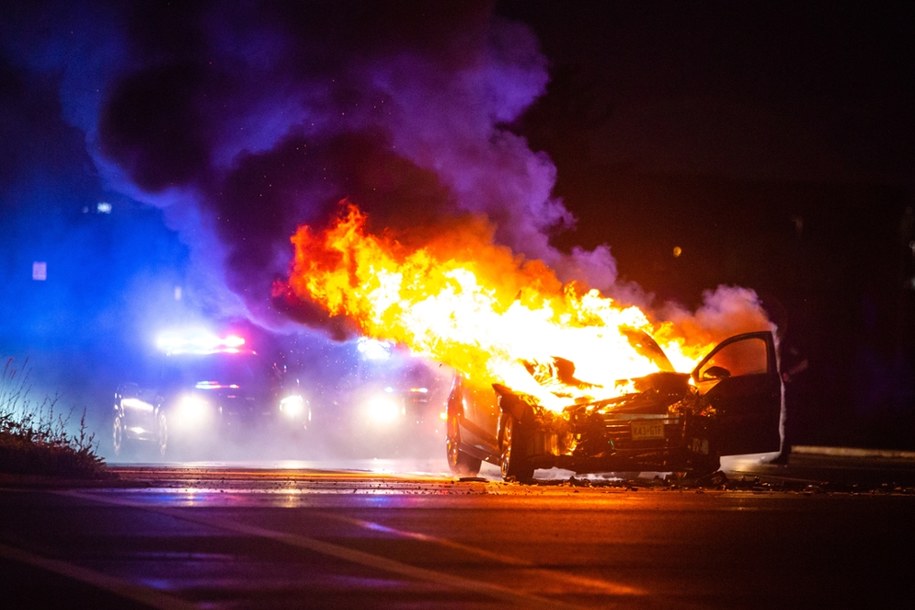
{"x":200,"y":390}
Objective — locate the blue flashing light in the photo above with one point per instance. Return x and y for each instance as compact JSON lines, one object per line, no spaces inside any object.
{"x":198,"y":342}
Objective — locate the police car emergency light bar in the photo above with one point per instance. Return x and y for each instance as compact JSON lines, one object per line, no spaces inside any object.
{"x":198,"y":342}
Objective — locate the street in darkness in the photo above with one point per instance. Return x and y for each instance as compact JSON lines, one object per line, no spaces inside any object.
{"x":236,"y":537}
{"x":529,"y":195}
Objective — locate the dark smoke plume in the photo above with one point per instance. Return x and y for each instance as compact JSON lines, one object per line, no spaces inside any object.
{"x":242,"y":120}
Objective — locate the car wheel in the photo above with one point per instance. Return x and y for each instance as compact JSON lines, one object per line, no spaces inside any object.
{"x":162,"y":434}
{"x":516,"y":463}
{"x":459,"y":462}
{"x":118,"y":438}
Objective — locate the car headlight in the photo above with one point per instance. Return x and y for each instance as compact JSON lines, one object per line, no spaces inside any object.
{"x":191,"y":411}
{"x":383,"y":409}
{"x":295,"y":406}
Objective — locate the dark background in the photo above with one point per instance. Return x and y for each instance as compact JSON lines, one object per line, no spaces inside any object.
{"x":773,"y":144}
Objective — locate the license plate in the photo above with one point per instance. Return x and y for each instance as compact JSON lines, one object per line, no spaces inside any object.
{"x":647,"y":430}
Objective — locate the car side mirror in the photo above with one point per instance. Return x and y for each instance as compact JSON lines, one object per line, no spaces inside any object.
{"x":714,"y":373}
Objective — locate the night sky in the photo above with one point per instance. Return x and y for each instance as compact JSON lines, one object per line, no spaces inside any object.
{"x":657,"y":151}
{"x":773,"y":144}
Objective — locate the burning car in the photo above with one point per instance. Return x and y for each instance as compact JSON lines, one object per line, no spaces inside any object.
{"x":201,"y":390}
{"x":663,"y":422}
{"x":553,"y":373}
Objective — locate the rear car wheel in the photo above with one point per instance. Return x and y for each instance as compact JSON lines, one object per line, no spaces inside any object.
{"x":459,"y":462}
{"x":516,"y":463}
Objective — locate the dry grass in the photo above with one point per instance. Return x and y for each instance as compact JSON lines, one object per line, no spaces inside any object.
{"x":36,"y":438}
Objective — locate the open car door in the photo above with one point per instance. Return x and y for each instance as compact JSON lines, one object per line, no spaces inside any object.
{"x":739,"y":379}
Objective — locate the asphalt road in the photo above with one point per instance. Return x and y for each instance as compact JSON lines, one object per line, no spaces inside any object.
{"x":232,"y":536}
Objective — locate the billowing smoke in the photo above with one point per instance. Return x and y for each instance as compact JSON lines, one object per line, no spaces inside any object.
{"x":725,"y":311}
{"x":242,"y":120}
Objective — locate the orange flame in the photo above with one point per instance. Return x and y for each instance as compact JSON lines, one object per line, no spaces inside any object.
{"x":476,"y":307}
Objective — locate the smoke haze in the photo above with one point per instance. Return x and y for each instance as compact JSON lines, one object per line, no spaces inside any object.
{"x":157,"y":157}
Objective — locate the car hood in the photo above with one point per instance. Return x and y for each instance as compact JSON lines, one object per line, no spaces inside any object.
{"x":651,"y":394}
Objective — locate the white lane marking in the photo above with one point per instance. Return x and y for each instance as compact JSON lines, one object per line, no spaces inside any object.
{"x":604,"y":586}
{"x":121,"y":588}
{"x":341,"y":552}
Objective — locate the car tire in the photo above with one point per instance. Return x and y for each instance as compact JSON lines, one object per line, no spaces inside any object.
{"x":459,"y":462}
{"x":118,"y":436}
{"x":515,"y":462}
{"x":162,"y":434}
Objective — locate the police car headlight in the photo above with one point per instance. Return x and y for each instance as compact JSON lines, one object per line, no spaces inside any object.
{"x":192,"y":411}
{"x":383,"y":409}
{"x":295,"y":406}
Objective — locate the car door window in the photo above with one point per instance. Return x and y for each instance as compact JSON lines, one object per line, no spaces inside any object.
{"x":739,"y":382}
{"x":747,"y":357}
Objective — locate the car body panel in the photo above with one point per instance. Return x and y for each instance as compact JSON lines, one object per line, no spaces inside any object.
{"x":476,"y":411}
{"x":748,"y":399}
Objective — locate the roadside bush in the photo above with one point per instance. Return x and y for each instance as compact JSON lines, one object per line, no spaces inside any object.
{"x":36,"y":439}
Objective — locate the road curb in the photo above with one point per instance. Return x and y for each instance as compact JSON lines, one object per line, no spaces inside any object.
{"x":853,"y":452}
